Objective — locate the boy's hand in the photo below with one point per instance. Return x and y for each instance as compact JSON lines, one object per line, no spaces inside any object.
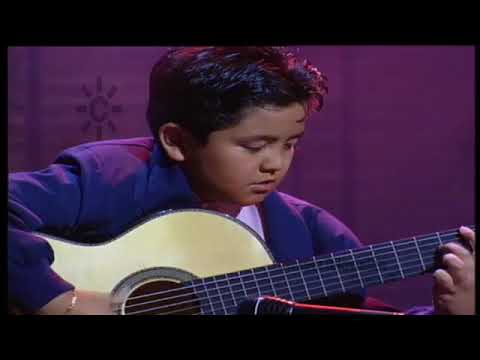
{"x":454,"y":286}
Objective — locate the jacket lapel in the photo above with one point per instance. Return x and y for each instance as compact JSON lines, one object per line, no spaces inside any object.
{"x":287,"y":234}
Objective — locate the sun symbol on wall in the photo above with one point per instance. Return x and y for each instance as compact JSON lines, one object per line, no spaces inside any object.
{"x":99,"y":108}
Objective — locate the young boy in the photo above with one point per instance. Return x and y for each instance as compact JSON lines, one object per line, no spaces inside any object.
{"x":225,"y":122}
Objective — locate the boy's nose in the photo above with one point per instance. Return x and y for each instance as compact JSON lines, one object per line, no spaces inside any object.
{"x":271,"y":163}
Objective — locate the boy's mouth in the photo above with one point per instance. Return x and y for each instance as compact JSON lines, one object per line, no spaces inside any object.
{"x":265,"y":182}
{"x":264,"y":186}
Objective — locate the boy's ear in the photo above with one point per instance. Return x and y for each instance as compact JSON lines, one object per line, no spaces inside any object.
{"x":175,"y":140}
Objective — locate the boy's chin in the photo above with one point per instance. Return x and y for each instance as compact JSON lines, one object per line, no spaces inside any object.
{"x":254,"y":199}
{"x":240,"y":199}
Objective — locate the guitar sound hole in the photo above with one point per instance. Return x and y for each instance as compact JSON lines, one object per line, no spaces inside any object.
{"x":162,"y":298}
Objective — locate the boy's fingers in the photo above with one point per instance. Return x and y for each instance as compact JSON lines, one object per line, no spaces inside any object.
{"x":455,"y":267}
{"x":469,"y":235}
{"x":443,"y":282}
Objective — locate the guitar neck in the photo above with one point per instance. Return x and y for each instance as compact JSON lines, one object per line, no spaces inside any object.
{"x":327,"y":275}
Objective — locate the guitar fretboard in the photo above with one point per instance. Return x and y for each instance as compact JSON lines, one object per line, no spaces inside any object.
{"x":325,"y":275}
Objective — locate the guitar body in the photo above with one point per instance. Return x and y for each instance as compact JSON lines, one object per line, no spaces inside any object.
{"x":169,"y":248}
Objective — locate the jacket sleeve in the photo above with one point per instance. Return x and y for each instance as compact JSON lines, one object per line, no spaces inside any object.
{"x":48,"y":200}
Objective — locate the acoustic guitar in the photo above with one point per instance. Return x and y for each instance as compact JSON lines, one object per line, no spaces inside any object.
{"x":196,"y":261}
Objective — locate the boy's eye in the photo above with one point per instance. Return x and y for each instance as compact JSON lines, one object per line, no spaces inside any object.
{"x":253,"y":147}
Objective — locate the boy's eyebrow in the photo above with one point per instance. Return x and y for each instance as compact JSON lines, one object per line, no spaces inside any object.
{"x":269,"y":138}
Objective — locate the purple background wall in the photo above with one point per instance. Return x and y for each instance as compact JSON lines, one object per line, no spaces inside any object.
{"x":391,"y":154}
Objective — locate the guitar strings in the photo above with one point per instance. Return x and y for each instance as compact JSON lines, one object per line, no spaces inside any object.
{"x":284,"y":278}
{"x":296,"y":272}
{"x":325,"y":285}
{"x":436,"y":236}
{"x":421,"y":242}
{"x":214,"y":305}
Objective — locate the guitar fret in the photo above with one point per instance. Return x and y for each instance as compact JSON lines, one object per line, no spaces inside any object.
{"x":408,"y":254}
{"x":303,"y":279}
{"x":311,"y":278}
{"x":208,"y":296}
{"x":220,"y":296}
{"x":338,"y":272}
{"x":320,"y":277}
{"x":288,"y":282}
{"x":271,"y":282}
{"x":277,"y":281}
{"x":296,"y":282}
{"x":237,"y":289}
{"x":226,"y":291}
{"x":439,"y":238}
{"x":398,"y":261}
{"x":231,"y":291}
{"x":419,"y":254}
{"x":264,"y":281}
{"x":199,"y":294}
{"x":247,"y":279}
{"x":356,"y":268}
{"x":255,"y":281}
{"x":242,"y":284}
{"x":376,"y":263}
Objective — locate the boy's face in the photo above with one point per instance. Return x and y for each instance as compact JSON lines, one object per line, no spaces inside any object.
{"x":244,"y":163}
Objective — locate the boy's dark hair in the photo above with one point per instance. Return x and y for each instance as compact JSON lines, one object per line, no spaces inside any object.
{"x":205,"y":89}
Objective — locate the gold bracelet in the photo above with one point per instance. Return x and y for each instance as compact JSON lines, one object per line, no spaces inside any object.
{"x":72,"y":304}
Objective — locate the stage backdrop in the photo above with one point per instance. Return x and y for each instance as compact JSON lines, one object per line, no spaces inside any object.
{"x":391,"y":154}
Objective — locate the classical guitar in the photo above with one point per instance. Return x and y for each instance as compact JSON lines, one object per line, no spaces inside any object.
{"x":202,"y":262}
